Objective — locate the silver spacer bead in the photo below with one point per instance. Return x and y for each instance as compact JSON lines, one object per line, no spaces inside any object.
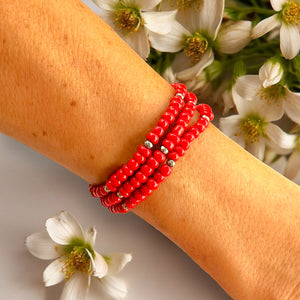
{"x":125,"y":207}
{"x":171,"y":163}
{"x":106,"y":189}
{"x":164,"y":150}
{"x":148,"y":144}
{"x":119,"y":195}
{"x":180,"y":95}
{"x":206,"y":117}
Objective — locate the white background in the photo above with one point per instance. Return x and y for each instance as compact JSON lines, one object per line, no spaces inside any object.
{"x":33,"y":188}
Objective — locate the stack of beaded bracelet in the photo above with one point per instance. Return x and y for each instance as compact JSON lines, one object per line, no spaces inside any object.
{"x":136,"y":180}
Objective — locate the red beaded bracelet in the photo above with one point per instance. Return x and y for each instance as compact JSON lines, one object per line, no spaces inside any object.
{"x":136,"y":180}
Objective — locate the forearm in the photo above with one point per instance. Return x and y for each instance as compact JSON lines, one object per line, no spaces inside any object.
{"x":72,"y":90}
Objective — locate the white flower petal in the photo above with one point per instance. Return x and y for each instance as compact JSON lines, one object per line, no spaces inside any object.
{"x":108,"y":18}
{"x":90,"y":236}
{"x":228,"y":101}
{"x":265,"y":26}
{"x":270,"y":73}
{"x":278,"y":140}
{"x":279,"y":165}
{"x":147,"y":4}
{"x":292,"y":105}
{"x":210,"y":17}
{"x":231,"y":127}
{"x":169,"y":75}
{"x":100,"y":267}
{"x":257,"y":148}
{"x":117,"y":261}
{"x":293,"y":165}
{"x":247,"y":86}
{"x":42,"y":246}
{"x":63,"y":228}
{"x":277,"y":4}
{"x":172,"y":42}
{"x":76,"y":287}
{"x":105,"y":4}
{"x":271,"y":110}
{"x":159,"y":22}
{"x":114,"y":286}
{"x":289,"y":40}
{"x":139,"y":42}
{"x":233,"y":37}
{"x":54,"y":274}
{"x":190,"y":72}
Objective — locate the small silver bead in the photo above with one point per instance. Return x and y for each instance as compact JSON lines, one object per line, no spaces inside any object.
{"x":180,"y":95}
{"x":164,"y":150}
{"x":125,"y":207}
{"x":171,"y":163}
{"x":206,"y":117}
{"x":119,"y":195}
{"x":106,"y":189}
{"x":148,"y":144}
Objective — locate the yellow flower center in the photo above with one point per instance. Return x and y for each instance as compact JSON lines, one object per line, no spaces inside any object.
{"x":184,"y":4}
{"x":77,"y":260}
{"x":195,"y":46}
{"x":274,"y":93}
{"x":127,"y":19}
{"x":253,"y":127}
{"x":291,"y":13}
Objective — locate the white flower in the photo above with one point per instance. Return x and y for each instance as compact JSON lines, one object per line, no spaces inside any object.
{"x":194,"y":34}
{"x":75,"y":258}
{"x":134,"y":21}
{"x":252,"y":127}
{"x":277,"y":97}
{"x":292,"y":170}
{"x":288,"y":19}
{"x":270,"y":73}
{"x":234,"y":36}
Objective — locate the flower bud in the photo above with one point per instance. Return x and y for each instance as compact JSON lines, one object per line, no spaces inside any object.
{"x":270,"y":73}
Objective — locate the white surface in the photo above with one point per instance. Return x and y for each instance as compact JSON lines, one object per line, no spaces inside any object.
{"x":33,"y":188}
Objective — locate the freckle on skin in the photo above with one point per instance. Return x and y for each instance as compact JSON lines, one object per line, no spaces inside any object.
{"x":92,"y":157}
{"x":66,"y":38}
{"x":44,"y":133}
{"x":73,"y":103}
{"x":34,"y":134}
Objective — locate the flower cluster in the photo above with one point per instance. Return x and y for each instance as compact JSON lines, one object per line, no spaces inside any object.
{"x":76,"y":261}
{"x":241,"y":56}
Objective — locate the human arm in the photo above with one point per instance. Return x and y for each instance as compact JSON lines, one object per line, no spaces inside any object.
{"x":72,"y":90}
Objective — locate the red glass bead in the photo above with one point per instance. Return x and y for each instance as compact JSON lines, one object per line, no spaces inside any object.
{"x":189,"y":136}
{"x":179,"y":150}
{"x":133,"y":164}
{"x":185,"y":116}
{"x":152,"y":162}
{"x":139,"y":157}
{"x":182,"y":123}
{"x":173,"y":137}
{"x":176,"y":104}
{"x":127,"y":171}
{"x":158,"y":177}
{"x":191,"y":106}
{"x":173,"y":155}
{"x":123,"y":192}
{"x":135,"y":182}
{"x":185,"y":144}
{"x":141,"y":177}
{"x":201,"y":127}
{"x":120,"y":175}
{"x":178,"y":130}
{"x":117,"y":209}
{"x":97,"y":190}
{"x":188,"y":111}
{"x":168,"y":144}
{"x":159,"y":156}
{"x":128,"y":187}
{"x":146,"y":191}
{"x":194,"y":131}
{"x":115,"y":181}
{"x":158,"y":130}
{"x":110,"y":186}
{"x":147,"y":170}
{"x":173,"y":110}
{"x":132,"y":202}
{"x":169,"y":117}
{"x":152,"y":137}
{"x":180,"y":88}
{"x":204,"y":121}
{"x":144,"y":151}
{"x":165,"y":170}
{"x":205,"y":109}
{"x":163,"y":123}
{"x":138,"y":195}
{"x":152,"y":184}
{"x":191,"y":97}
